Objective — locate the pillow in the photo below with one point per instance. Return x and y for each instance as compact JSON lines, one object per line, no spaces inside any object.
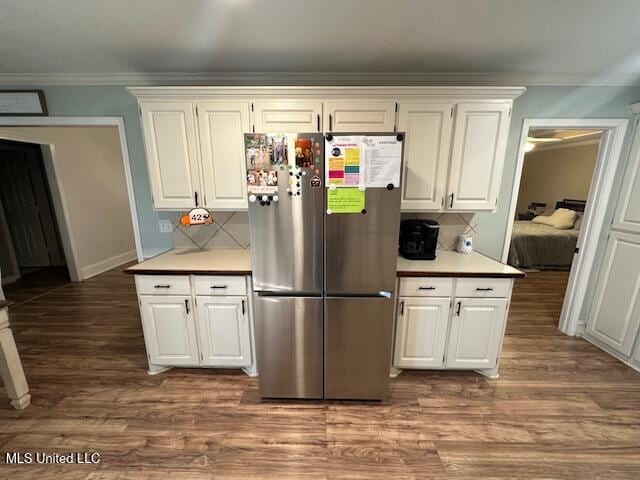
{"x":562,"y":219}
{"x":578,"y":223}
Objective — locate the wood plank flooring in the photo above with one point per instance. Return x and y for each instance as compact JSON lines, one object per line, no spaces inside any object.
{"x":561,"y":409}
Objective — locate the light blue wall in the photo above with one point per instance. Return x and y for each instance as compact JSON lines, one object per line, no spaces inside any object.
{"x":552,"y":102}
{"x":537,"y":102}
{"x":115,"y":101}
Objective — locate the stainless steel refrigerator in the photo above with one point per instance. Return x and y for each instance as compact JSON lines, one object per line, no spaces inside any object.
{"x":324,"y":286}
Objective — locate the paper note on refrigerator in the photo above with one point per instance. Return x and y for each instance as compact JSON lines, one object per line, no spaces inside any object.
{"x":343,"y":156}
{"x":382,"y":161}
{"x":345,"y":200}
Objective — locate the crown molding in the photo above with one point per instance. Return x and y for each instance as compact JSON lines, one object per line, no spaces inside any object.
{"x":311,"y":78}
{"x":489,"y":93}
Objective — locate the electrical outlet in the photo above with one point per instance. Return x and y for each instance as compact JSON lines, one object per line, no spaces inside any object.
{"x":165,"y":226}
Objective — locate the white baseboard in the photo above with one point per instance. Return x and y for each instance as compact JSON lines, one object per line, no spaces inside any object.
{"x":10,"y":279}
{"x":107,"y":264}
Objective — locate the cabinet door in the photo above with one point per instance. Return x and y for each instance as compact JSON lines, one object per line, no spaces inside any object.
{"x":360,"y":116}
{"x":477,"y":155}
{"x":169,"y":329}
{"x":627,"y":216}
{"x":426,"y":153}
{"x":421,"y":332}
{"x":476,"y":332}
{"x":615,"y":313}
{"x":287,"y":116}
{"x":222,"y":126}
{"x":223,"y":325}
{"x":172,"y":156}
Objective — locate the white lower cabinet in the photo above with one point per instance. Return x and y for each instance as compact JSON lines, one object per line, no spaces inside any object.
{"x":451,"y":332}
{"x":421,"y":332}
{"x":169,"y":329}
{"x":476,"y":332}
{"x":191,"y":330}
{"x":223,"y":325}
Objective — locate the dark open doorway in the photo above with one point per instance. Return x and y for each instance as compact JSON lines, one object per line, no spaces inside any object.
{"x":32,"y":258}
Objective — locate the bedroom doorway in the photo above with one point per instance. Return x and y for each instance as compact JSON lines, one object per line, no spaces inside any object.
{"x":557,"y":173}
{"x":564,"y":176}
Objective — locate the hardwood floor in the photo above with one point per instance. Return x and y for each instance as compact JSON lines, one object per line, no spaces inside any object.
{"x":561,"y":409}
{"x":35,"y":283}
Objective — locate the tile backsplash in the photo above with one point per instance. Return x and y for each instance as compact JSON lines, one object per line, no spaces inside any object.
{"x":228,"y":230}
{"x":452,"y":225}
{"x":231,"y":230}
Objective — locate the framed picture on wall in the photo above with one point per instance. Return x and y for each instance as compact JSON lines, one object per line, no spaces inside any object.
{"x":14,"y":103}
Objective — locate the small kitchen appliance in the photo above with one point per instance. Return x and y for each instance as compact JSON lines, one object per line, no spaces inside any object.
{"x":419,"y":239}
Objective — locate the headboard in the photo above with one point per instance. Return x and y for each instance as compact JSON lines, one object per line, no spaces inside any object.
{"x":575,"y":205}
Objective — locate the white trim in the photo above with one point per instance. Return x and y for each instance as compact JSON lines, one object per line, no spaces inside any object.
{"x":91,"y":121}
{"x":312,"y":78}
{"x":104,"y":265}
{"x":599,"y":196}
{"x":457,"y":93}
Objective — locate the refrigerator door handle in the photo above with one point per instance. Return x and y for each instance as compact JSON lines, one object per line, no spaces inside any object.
{"x":275,"y":293}
{"x":383,"y":294}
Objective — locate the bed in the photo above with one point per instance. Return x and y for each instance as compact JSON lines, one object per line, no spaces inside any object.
{"x":544,"y":247}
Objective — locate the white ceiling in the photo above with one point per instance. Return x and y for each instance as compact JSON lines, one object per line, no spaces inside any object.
{"x":440,"y":41}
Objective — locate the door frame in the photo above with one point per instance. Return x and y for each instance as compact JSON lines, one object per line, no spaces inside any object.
{"x":613,"y":133}
{"x":49,"y":157}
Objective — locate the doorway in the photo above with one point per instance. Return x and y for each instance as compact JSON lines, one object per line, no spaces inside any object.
{"x":33,"y":256}
{"x":563,"y":181}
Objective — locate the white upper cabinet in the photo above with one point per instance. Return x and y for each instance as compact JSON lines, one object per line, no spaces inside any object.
{"x":287,"y":116}
{"x":426,"y":153}
{"x":476,"y":332}
{"x":223,"y":325}
{"x":359,"y":116}
{"x":221,"y":126}
{"x":615,"y":313}
{"x":477,"y":155}
{"x":172,"y":154}
{"x":627,"y":216}
{"x":169,"y":329}
{"x":421,"y":332}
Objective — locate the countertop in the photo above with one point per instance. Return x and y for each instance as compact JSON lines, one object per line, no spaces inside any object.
{"x":235,"y":261}
{"x":454,"y":264}
{"x":183,"y":261}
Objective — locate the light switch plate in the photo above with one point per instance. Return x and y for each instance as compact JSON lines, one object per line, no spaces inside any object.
{"x":165,"y":226}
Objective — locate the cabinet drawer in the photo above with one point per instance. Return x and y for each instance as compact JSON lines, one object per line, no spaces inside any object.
{"x":220,"y":285}
{"x":163,"y":285}
{"x":425,"y":287}
{"x":483,"y":287}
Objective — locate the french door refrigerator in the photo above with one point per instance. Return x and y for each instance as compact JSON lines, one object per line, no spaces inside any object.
{"x":323,"y":285}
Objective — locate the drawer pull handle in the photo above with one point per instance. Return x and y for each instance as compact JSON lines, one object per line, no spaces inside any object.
{"x":426,"y":288}
{"x":162,"y":286}
{"x":218,"y":286}
{"x":488,"y":289}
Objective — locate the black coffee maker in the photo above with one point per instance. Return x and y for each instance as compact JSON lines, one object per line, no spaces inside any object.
{"x":419,"y":239}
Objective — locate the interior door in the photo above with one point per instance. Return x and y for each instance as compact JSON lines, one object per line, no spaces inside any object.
{"x":172,"y":154}
{"x":22,"y":210}
{"x":627,"y":216}
{"x":294,"y":116}
{"x":476,"y":332}
{"x":222,"y":126}
{"x":169,"y":329}
{"x":614,"y":316}
{"x":477,"y":155}
{"x":357,"y":347}
{"x":360,"y":116}
{"x":421,"y":332}
{"x":289,"y":346}
{"x":426,"y":153}
{"x":223,"y":327}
